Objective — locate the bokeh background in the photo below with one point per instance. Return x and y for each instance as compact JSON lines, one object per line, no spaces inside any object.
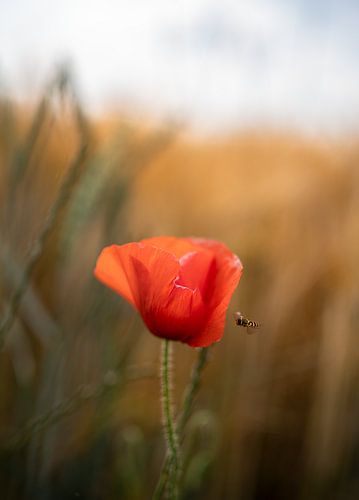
{"x":237,"y":122}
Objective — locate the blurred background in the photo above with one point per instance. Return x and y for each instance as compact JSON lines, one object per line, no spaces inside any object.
{"x":233,"y":121}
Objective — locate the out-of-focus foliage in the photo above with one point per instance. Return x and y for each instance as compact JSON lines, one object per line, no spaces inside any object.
{"x":277,"y":415}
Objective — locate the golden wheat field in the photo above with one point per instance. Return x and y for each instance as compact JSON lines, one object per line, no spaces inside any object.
{"x":276,"y":415}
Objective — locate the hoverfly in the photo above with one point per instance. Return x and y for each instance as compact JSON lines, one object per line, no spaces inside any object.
{"x":242,"y":321}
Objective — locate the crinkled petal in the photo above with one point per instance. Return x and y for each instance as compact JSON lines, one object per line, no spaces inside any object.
{"x":181,"y":286}
{"x":137,"y":272}
{"x":195,"y":268}
{"x":113,"y":270}
{"x":147,"y":277}
{"x":195,"y":260}
{"x":222,"y":281}
{"x":178,"y":318}
{"x":177,"y":246}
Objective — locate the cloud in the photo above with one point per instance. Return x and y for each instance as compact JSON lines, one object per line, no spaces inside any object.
{"x":215,"y":63}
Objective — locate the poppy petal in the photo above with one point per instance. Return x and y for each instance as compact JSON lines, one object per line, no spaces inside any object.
{"x":112,"y":269}
{"x":137,"y":272}
{"x":177,"y":246}
{"x":227,"y":267}
{"x":178,"y":318}
{"x":195,"y":268}
{"x":180,"y":286}
{"x":223,"y":280}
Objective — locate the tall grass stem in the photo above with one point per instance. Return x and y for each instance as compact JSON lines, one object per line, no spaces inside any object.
{"x":36,"y":252}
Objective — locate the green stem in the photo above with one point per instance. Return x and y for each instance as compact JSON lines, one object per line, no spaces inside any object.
{"x":169,"y":425}
{"x":192,"y":390}
{"x":189,"y":397}
{"x":71,"y":177}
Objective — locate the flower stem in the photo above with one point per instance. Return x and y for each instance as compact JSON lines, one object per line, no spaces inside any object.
{"x":189,"y":396}
{"x":192,"y":389}
{"x":169,"y":424}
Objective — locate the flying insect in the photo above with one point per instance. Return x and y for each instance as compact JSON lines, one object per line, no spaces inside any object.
{"x":245,"y":322}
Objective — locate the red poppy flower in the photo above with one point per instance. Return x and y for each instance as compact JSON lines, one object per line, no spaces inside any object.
{"x":180,"y":286}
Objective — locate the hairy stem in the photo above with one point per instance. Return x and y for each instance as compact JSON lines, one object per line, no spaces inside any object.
{"x":190,"y":394}
{"x":192,"y":389}
{"x":169,"y":424}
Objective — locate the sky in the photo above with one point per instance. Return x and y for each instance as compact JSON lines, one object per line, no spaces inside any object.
{"x":214,"y":64}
